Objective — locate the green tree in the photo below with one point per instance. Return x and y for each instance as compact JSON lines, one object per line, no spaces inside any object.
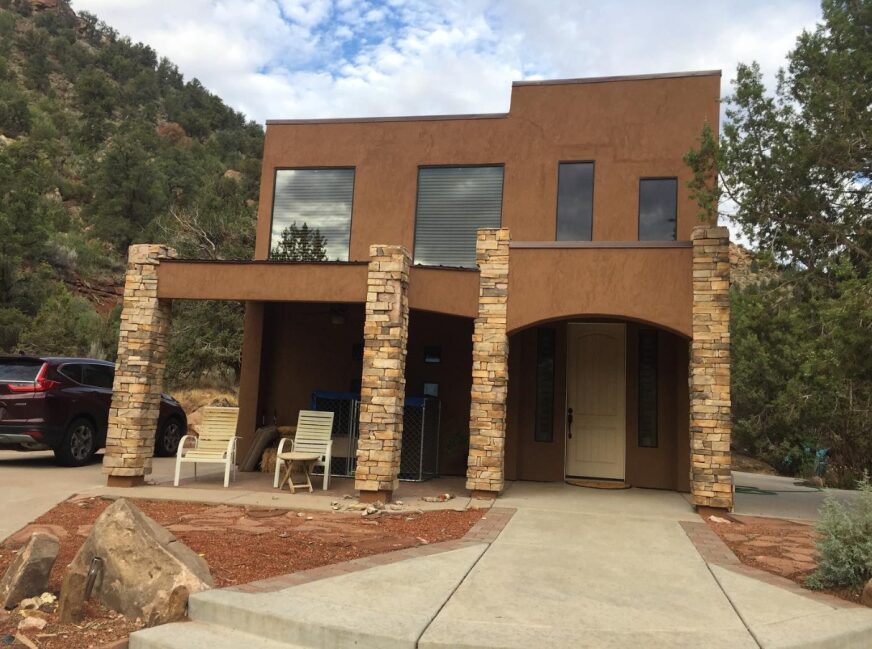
{"x":130,"y":190}
{"x":14,"y":116}
{"x":795,"y":165}
{"x":96,"y":97}
{"x":300,"y":244}
{"x":64,"y":326}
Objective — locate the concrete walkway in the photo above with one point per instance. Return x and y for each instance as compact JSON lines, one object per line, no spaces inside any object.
{"x":572,"y":568}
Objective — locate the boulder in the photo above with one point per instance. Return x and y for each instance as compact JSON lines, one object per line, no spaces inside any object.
{"x":27,"y":575}
{"x":866,"y":596}
{"x":146,"y":572}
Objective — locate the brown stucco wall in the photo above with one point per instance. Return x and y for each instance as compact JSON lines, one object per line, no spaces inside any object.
{"x":664,"y":466}
{"x":629,"y":128}
{"x":304,"y":351}
{"x":265,"y":281}
{"x":647,"y":284}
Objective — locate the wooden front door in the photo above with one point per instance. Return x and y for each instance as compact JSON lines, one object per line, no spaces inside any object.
{"x":596,"y":401}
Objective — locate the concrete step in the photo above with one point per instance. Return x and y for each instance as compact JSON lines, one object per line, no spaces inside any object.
{"x":196,"y":635}
{"x":387,"y":607}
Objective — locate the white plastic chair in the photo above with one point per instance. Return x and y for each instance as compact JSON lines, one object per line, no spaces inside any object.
{"x":215,"y":443}
{"x":312,"y":437}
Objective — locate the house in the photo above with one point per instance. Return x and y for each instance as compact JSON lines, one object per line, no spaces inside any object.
{"x":542,"y":275}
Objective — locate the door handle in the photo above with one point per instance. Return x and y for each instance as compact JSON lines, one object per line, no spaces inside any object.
{"x":569,"y":422}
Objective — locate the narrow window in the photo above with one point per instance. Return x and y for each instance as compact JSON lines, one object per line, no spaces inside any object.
{"x":311,"y":218}
{"x":575,"y":201}
{"x":648,"y":388}
{"x":657,"y":209}
{"x":453,"y":203}
{"x":545,"y":346}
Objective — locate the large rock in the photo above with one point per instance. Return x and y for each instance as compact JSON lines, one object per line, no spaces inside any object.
{"x":27,"y":575}
{"x":147,"y":573}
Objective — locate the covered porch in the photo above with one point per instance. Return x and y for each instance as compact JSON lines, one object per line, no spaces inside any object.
{"x":385,"y":334}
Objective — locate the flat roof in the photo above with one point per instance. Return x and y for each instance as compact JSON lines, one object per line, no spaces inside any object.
{"x":626,"y":77}
{"x":543,"y":82}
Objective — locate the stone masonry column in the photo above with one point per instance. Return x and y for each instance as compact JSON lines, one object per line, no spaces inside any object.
{"x":710,"y":426}
{"x":383,"y":384}
{"x":142,"y":345}
{"x":490,"y":369}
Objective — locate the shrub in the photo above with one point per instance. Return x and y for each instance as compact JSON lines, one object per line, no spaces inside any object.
{"x":845,"y":545}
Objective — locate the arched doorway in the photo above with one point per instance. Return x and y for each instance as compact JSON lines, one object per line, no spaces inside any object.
{"x":598,"y":397}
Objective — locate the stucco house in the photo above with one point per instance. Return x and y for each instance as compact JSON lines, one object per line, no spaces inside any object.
{"x":540,"y":276}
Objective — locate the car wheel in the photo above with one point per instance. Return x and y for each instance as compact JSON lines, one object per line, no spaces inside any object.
{"x":79,"y":444}
{"x":168,"y":437}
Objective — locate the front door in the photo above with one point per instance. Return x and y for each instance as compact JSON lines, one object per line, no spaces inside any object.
{"x":596,"y":401}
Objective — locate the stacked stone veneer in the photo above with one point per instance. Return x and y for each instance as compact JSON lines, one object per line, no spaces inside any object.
{"x":142,"y":344}
{"x":490,"y":369}
{"x":710,"y":429}
{"x":383,"y":384}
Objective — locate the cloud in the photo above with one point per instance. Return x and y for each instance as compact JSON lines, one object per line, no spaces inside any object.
{"x":341,"y":58}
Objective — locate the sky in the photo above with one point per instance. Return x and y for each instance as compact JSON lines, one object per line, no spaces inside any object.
{"x":281,"y":59}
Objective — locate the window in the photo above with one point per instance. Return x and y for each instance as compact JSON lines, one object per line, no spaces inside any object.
{"x":648,"y":388}
{"x":20,"y":370}
{"x":311,"y":219}
{"x":98,"y":376}
{"x":545,"y":347}
{"x":72,"y":371}
{"x":453,"y":203}
{"x":575,"y":201}
{"x":431,"y":390}
{"x":657,"y":209}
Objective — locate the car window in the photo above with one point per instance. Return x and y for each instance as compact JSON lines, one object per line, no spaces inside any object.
{"x":19,"y":369}
{"x":72,"y":371}
{"x":99,"y":376}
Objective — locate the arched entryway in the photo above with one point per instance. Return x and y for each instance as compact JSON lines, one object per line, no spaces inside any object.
{"x":599,"y":397}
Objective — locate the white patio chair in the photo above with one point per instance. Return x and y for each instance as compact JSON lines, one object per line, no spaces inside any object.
{"x":311,"y":440}
{"x":215,"y":443}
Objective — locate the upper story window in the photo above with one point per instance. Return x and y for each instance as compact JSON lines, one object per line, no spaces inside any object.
{"x":311,"y":218}
{"x":453,"y":203}
{"x":575,"y":201}
{"x":658,"y":198}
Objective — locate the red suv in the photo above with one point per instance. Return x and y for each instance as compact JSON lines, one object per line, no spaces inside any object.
{"x":62,"y":404}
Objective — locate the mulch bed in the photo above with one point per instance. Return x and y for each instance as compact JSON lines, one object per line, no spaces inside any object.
{"x":240,"y":544}
{"x":782,"y":547}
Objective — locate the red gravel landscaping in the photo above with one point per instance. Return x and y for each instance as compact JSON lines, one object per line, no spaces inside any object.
{"x":782,"y":547}
{"x":240,"y":544}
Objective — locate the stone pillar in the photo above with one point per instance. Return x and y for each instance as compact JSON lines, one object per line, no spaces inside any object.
{"x":142,"y":345}
{"x":490,"y":368}
{"x":710,"y":426}
{"x":383,"y":384}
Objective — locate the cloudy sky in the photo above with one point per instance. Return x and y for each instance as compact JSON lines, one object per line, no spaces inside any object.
{"x":346,"y":58}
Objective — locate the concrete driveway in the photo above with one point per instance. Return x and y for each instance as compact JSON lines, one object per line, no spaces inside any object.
{"x":769,"y":495}
{"x":31,"y":484}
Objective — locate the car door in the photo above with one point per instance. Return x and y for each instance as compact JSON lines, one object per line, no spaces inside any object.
{"x":99,"y":379}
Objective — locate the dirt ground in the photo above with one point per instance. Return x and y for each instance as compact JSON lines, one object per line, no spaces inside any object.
{"x":782,"y":547}
{"x":751,"y":465}
{"x":240,"y":545}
